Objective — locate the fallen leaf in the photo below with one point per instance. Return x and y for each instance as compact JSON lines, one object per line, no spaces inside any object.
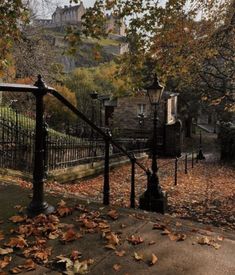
{"x":203,"y":240}
{"x":18,"y":242}
{"x":5,"y":251}
{"x":110,"y":246}
{"x":135,"y":240}
{"x":17,"y":219}
{"x":159,"y":226}
{"x":113,"y":239}
{"x":16,"y":270}
{"x":113,"y":214}
{"x":5,"y":261}
{"x":117,"y":267}
{"x":53,"y":235}
{"x":220,"y":238}
{"x":138,"y":257}
{"x":69,"y":236}
{"x":29,"y":264}
{"x":166,"y":232}
{"x":120,"y":253}
{"x":1,"y":236}
{"x":152,"y":242}
{"x":177,"y":237}
{"x":75,"y":255}
{"x":154,"y":259}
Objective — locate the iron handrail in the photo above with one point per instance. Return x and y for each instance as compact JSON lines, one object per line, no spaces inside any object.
{"x":8,"y":87}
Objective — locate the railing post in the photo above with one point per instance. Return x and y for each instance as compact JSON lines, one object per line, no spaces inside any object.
{"x":192,"y":159}
{"x":176,"y":170}
{"x":38,"y":205}
{"x":132,"y":197}
{"x":186,"y":164}
{"x":106,"y":173}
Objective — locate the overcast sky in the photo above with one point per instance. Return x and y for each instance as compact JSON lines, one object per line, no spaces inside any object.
{"x":44,"y":9}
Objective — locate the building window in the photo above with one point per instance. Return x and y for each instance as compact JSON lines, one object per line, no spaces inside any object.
{"x":141,"y":109}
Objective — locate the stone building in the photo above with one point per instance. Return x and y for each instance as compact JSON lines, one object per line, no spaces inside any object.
{"x":132,"y":117}
{"x":68,"y":15}
{"x":72,"y":15}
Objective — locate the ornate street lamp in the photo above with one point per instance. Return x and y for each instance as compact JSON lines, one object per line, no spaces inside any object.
{"x":154,"y":198}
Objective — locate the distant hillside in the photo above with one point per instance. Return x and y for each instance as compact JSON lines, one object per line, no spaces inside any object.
{"x":91,"y":53}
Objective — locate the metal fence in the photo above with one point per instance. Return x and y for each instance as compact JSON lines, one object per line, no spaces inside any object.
{"x":17,"y":136}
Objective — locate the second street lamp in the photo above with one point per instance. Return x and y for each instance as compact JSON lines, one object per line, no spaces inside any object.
{"x":153,"y":198}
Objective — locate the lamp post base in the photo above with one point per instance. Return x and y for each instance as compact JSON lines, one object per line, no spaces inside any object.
{"x":152,"y":203}
{"x":35,"y":209}
{"x":200,"y":155}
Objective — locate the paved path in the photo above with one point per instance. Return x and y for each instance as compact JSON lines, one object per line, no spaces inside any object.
{"x":174,"y":257}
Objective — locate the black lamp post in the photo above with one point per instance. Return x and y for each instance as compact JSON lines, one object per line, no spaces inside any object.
{"x":153,"y":198}
{"x":94,"y":96}
{"x":200,"y":155}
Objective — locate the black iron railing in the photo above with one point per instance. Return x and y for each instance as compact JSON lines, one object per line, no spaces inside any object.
{"x":43,"y":145}
{"x":62,"y":150}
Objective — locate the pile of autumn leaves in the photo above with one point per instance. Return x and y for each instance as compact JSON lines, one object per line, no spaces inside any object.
{"x":31,"y":236}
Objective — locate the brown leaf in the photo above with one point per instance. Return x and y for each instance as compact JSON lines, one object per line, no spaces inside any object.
{"x":53,"y":235}
{"x":89,"y":224}
{"x":113,"y":214}
{"x":220,"y":238}
{"x":135,"y":240}
{"x":5,"y":261}
{"x":75,"y":255}
{"x":29,"y":265}
{"x":177,"y":237}
{"x":16,"y":219}
{"x":152,"y":242}
{"x":18,"y":242}
{"x":154,"y":259}
{"x":166,"y":232}
{"x":110,"y":246}
{"x":69,"y":236}
{"x":203,"y":240}
{"x":117,"y":267}
{"x":5,"y":251}
{"x":112,"y":239}
{"x":16,"y":270}
{"x":120,"y":253}
{"x":159,"y":226}
{"x":1,"y":236}
{"x":64,"y":211}
{"x":138,"y":257}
